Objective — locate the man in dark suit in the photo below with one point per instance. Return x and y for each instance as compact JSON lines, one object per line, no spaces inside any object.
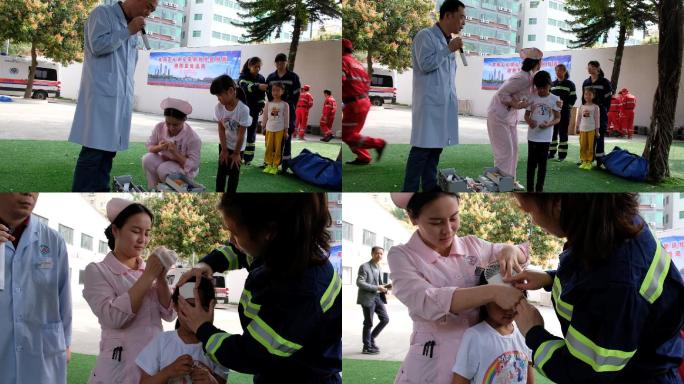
{"x":372,"y":299}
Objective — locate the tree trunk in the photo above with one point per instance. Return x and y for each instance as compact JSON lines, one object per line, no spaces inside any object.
{"x":671,"y":35}
{"x":32,"y":72}
{"x":369,"y":62}
{"x":296,"y":32}
{"x":615,"y":76}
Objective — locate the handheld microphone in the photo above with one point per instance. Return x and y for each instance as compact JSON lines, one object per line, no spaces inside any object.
{"x":146,"y":42}
{"x":463,"y":57}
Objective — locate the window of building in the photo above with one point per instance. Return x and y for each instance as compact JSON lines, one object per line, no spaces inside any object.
{"x":532,"y":21}
{"x":347,"y":231}
{"x":534,"y":4}
{"x":551,"y":39}
{"x":199,"y":1}
{"x":198,"y":16}
{"x":681,"y":214}
{"x":67,"y":233}
{"x":531,"y":37}
{"x":41,"y":219}
{"x":387,"y":244}
{"x":103,"y":248}
{"x":86,"y":242}
{"x":196,"y":33}
{"x":368,"y":238}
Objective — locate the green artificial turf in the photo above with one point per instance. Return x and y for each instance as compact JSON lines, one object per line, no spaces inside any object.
{"x":469,"y":160}
{"x":383,"y":372}
{"x":80,"y":366}
{"x":48,"y":166}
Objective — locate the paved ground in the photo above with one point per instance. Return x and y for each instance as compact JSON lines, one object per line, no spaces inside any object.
{"x":393,"y":123}
{"x":52,"y":121}
{"x":86,"y":329}
{"x":394,"y":339}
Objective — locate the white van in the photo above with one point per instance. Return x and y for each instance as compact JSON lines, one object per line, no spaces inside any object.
{"x":220,"y":288}
{"x":382,"y":87}
{"x":14,"y":72}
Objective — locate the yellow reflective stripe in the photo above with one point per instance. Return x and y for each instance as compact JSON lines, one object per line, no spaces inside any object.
{"x":563,"y":309}
{"x":272,"y":341}
{"x":544,"y":353}
{"x":214,"y":344}
{"x":600,"y":359}
{"x":652,"y":286}
{"x":231,"y":256}
{"x":330,"y":294}
{"x":560,"y":88}
{"x":250,"y":309}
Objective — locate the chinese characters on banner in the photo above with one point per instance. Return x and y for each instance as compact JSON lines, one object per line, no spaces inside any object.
{"x":191,"y":69}
{"x":496,"y":70}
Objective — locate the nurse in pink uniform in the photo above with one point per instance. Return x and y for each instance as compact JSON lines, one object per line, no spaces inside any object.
{"x":173,"y":146}
{"x":434,"y":276}
{"x":502,"y":115}
{"x":128,"y":296}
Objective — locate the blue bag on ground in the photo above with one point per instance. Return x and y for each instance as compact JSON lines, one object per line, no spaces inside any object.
{"x":625,"y":164}
{"x":317,"y":170}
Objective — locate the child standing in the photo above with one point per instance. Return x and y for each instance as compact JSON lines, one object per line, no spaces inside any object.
{"x":233,"y":119}
{"x":304,"y":105}
{"x":276,"y":123}
{"x":541,"y":115}
{"x":328,"y":116}
{"x":493,"y":350}
{"x":177,"y":356}
{"x":588,"y":121}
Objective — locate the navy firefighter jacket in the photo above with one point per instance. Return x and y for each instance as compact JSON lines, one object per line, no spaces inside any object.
{"x":292,"y":328}
{"x":620,"y":319}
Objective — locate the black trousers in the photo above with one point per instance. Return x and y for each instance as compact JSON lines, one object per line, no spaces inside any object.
{"x":560,"y":131}
{"x":537,"y":156}
{"x":377,"y":307}
{"x":599,"y":150}
{"x":92,"y":170}
{"x":227,"y":171}
{"x":248,"y":155}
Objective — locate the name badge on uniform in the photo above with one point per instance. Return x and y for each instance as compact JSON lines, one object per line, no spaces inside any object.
{"x":45,"y":264}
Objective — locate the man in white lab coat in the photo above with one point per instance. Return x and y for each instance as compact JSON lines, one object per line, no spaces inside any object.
{"x":35,"y":295}
{"x":102,"y":122}
{"x":434,"y":103}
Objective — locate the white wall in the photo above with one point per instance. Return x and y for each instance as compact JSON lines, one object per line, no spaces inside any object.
{"x":639,"y":74}
{"x":71,"y":210}
{"x":363,"y":212}
{"x":317,"y":64}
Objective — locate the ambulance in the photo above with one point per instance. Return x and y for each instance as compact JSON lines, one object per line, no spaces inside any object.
{"x":14,"y":72}
{"x":382,"y":87}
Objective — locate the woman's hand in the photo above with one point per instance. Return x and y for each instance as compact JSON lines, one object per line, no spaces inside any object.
{"x":506,"y":297}
{"x":154,"y":267}
{"x":530,"y":280}
{"x":528,"y":316}
{"x":181,"y":367}
{"x":263,"y":87}
{"x":5,"y":234}
{"x":199,"y":270}
{"x":508,"y":260}
{"x":201,"y":374}
{"x":194,"y":317}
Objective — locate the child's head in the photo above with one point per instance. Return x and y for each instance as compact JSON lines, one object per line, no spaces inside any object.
{"x":542,"y":81}
{"x":226,"y":91}
{"x":205,"y":291}
{"x":277,"y":89}
{"x":589,"y":95}
{"x":253,"y":66}
{"x":492,"y":313}
{"x":327,"y":93}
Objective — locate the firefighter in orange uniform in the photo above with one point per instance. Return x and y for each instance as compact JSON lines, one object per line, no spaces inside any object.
{"x":328,"y":116}
{"x":355,"y":86}
{"x":304,"y":105}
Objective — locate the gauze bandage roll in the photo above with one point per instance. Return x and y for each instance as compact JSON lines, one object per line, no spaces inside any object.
{"x":166,"y":256}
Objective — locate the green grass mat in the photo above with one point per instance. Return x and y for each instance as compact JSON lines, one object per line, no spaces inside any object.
{"x":48,"y":166}
{"x":81,"y":365}
{"x":383,"y":372}
{"x":469,"y":160}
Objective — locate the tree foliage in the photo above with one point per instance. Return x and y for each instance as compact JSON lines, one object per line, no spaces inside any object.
{"x":52,"y":28}
{"x":263,"y":18}
{"x":384,"y":29}
{"x":187,"y":223}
